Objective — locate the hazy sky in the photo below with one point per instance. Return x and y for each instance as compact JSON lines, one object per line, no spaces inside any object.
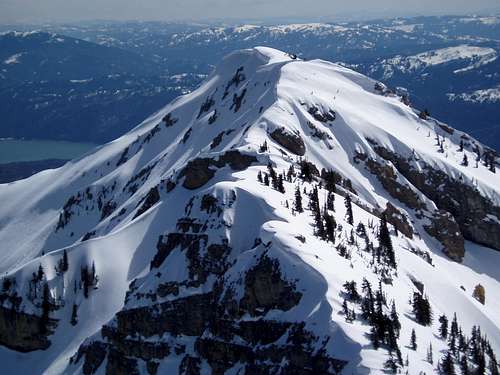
{"x":69,"y":10}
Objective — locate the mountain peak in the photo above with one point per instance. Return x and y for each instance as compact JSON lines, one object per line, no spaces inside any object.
{"x":242,"y":216}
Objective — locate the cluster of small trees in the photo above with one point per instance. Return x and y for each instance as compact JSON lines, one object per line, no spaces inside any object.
{"x":384,"y":321}
{"x":272,"y":178}
{"x":421,"y":309}
{"x":469,"y":354}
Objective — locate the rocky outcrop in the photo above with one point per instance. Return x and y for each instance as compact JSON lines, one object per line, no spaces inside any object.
{"x":22,"y":332}
{"x":265,"y":289}
{"x":292,"y":142}
{"x":200,"y":170}
{"x":149,"y":201}
{"x":388,"y":178}
{"x":444,"y":227}
{"x":399,"y":220}
{"x":473,"y":212}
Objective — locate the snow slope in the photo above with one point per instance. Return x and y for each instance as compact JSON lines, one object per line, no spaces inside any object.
{"x":93,"y":208}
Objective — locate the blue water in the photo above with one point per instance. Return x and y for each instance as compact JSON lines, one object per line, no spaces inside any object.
{"x":14,"y":150}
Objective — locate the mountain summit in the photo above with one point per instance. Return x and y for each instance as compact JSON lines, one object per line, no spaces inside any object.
{"x":277,"y":220}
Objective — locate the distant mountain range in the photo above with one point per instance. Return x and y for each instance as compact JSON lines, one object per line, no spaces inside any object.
{"x":446,"y":64}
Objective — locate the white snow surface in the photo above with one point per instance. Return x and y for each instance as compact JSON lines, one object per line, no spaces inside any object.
{"x":280,"y":90}
{"x":473,"y":56}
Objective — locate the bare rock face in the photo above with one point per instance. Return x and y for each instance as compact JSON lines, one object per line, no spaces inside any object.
{"x":472,"y":211}
{"x":292,"y":142}
{"x":388,"y":178}
{"x":399,"y":220}
{"x":265,"y":289}
{"x":149,"y":201}
{"x":446,"y":230}
{"x":20,"y":331}
{"x":200,"y":318}
{"x":200,"y":170}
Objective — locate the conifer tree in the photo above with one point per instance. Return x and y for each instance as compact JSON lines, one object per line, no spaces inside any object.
{"x":259,"y":177}
{"x":421,"y":309}
{"x":330,"y":202}
{"x":385,"y":243}
{"x":464,"y":366}
{"x":446,"y":366}
{"x":430,"y":355}
{"x":40,"y":273}
{"x":443,"y":327}
{"x":461,"y":149}
{"x":348,"y":206}
{"x":330,"y":226}
{"x":298,"y":200}
{"x":266,"y":179}
{"x":396,"y":324}
{"x":465,"y":161}
{"x":44,"y":320}
{"x":281,"y":187}
{"x":74,"y":315}
{"x":413,"y":340}
{"x":290,"y":174}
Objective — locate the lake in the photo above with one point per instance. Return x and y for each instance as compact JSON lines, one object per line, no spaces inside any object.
{"x":16,"y":150}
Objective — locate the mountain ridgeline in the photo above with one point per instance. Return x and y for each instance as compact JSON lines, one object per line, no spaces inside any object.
{"x":287,"y":217}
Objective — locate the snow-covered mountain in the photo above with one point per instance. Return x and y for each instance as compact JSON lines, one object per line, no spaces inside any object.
{"x":276,"y":220}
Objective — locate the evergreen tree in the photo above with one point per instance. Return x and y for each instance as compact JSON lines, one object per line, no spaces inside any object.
{"x":430,"y":356}
{"x":74,"y":315}
{"x":85,"y":277}
{"x":330,"y":202}
{"x":46,"y":304}
{"x":461,"y":149}
{"x":65,"y":261}
{"x":396,"y":324}
{"x":446,"y":366}
{"x":443,"y":327}
{"x":298,"y":200}
{"x":351,"y":291}
{"x":40,"y":273}
{"x":413,"y":340}
{"x":330,"y":226}
{"x":348,"y":206}
{"x":464,"y":366}
{"x":421,"y":309}
{"x":465,"y":161}
{"x":290,"y":174}
{"x":385,"y":243}
{"x":266,"y":179}
{"x":281,"y":187}
{"x":259,"y":177}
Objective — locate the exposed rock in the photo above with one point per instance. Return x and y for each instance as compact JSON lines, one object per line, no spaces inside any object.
{"x":399,"y":220}
{"x":265,"y":289}
{"x":200,"y":170}
{"x":445,"y":229}
{"x":470,"y":209}
{"x":321,"y":115}
{"x":169,"y":120}
{"x":479,"y":293}
{"x":149,"y":201}
{"x":388,"y":178}
{"x":292,"y":142}
{"x":183,"y":316}
{"x":20,"y":331}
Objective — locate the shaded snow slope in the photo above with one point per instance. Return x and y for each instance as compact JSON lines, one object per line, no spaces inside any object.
{"x":189,"y":173}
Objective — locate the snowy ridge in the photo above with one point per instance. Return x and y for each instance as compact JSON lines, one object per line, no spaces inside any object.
{"x":474,"y":56}
{"x":172,"y":213}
